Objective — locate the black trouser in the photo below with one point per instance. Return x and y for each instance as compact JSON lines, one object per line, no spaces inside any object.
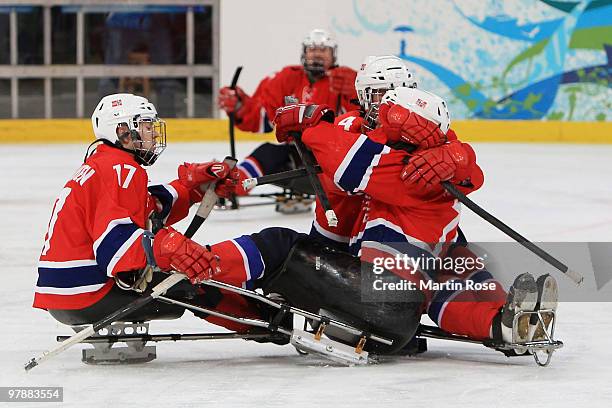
{"x":156,"y":310}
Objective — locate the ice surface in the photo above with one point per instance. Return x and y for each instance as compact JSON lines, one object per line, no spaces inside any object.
{"x":547,"y":192}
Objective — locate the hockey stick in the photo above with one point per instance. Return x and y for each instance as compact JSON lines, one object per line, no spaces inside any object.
{"x":158,"y":291}
{"x":338,"y":105}
{"x":573,"y":275}
{"x":251,"y":183}
{"x":207,"y":204}
{"x":309,"y":165}
{"x":232,"y":123}
{"x":231,"y":115}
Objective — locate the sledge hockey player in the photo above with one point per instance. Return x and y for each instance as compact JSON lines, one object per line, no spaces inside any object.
{"x":94,"y":260}
{"x":422,"y":218}
{"x":377,"y":75}
{"x":417,"y":122}
{"x":317,"y":80}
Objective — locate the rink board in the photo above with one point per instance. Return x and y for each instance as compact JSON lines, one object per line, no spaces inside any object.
{"x":197,"y":130}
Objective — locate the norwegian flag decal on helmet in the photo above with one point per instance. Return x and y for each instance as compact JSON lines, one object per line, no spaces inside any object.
{"x":116,"y":103}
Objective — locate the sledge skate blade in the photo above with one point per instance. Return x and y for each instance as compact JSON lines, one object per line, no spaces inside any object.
{"x":135,"y":352}
{"x":102,"y":354}
{"x":330,"y":349}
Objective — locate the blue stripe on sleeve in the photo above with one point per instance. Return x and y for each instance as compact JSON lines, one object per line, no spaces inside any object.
{"x":357,"y":167}
{"x":112,"y":242}
{"x":71,"y":277}
{"x":165,"y":198}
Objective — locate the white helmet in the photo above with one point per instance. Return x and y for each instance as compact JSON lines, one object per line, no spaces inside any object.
{"x":381,"y":73}
{"x":423,"y":103}
{"x":376,"y":76}
{"x":318,"y":38}
{"x":136,"y":115}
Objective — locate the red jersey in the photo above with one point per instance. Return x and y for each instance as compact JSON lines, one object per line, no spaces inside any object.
{"x":346,"y":206}
{"x":259,"y":111}
{"x":96,"y":228}
{"x":360,"y":164}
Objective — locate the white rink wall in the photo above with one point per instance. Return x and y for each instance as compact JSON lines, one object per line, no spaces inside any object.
{"x":253,"y":35}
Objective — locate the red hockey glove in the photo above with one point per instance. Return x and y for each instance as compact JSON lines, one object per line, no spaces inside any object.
{"x":296,"y":118}
{"x":193,"y":175}
{"x":342,"y":80}
{"x":231,"y":185}
{"x":173,"y":250}
{"x":427,"y":169}
{"x":401,"y":124}
{"x":232,"y":100}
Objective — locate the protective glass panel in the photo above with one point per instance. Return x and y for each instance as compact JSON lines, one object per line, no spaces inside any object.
{"x":63,"y":36}
{"x":64,"y":98}
{"x":30,"y":35}
{"x":5,"y":98}
{"x":203,"y":44}
{"x":132,"y":34}
{"x":203,"y":98}
{"x":5,"y":41}
{"x":31,"y":98}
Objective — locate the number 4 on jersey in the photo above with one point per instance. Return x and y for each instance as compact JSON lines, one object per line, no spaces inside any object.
{"x":347,"y":122}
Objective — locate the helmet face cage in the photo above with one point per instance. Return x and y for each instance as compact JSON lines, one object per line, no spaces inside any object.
{"x":371,"y":102}
{"x":318,"y":39}
{"x":148,"y":136}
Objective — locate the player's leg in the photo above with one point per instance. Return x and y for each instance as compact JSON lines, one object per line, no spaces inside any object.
{"x":270,"y":158}
{"x":267,"y":158}
{"x":460,"y":308}
{"x":243,"y":262}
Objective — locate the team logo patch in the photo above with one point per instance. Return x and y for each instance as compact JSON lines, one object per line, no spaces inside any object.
{"x":218,"y":170}
{"x":116,"y":103}
{"x":421,"y":103}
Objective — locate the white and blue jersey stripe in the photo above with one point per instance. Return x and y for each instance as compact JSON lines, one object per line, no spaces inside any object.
{"x":253,"y":262}
{"x":70,"y":277}
{"x":167,"y":196}
{"x":354,"y":172}
{"x":119,"y":236}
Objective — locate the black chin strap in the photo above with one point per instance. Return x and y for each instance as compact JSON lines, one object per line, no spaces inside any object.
{"x":88,"y":152}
